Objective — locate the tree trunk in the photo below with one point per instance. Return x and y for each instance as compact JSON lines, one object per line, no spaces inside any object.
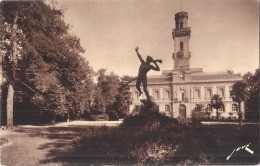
{"x":239,"y":113}
{"x":217,"y":115}
{"x":1,"y":86}
{"x":68,"y":117}
{"x":10,"y":93}
{"x":10,"y":105}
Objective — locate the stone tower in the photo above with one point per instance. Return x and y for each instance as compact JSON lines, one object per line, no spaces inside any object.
{"x":181,"y":37}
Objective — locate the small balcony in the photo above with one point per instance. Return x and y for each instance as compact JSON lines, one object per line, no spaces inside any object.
{"x":181,"y":32}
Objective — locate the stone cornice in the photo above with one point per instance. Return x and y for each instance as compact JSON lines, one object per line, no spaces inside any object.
{"x":217,"y":80}
{"x":193,"y":82}
{"x":154,"y":83}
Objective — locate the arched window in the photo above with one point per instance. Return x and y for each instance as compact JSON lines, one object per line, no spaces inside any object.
{"x":182,"y":110}
{"x":167,"y":109}
{"x":209,"y":108}
{"x":208,"y":93}
{"x":181,"y":95}
{"x":222,"y":108}
{"x":197,"y":107}
{"x":234,"y":107}
{"x":181,"y":46}
{"x":221,"y":92}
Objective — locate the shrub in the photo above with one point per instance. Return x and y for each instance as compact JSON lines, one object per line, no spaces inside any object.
{"x":198,"y":115}
{"x":147,"y":138}
{"x":184,"y":121}
{"x":112,"y":115}
{"x":154,"y":151}
{"x":99,"y":117}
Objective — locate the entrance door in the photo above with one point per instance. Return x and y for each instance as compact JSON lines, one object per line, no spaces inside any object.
{"x":182,"y":111}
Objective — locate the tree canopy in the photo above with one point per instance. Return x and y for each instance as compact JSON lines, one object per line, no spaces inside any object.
{"x":217,"y":102}
{"x":112,"y":95}
{"x":247,"y":91}
{"x":47,"y":70}
{"x":252,"y":92}
{"x":51,"y":70}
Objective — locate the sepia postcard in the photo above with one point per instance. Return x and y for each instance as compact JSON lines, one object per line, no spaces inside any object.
{"x":129,"y":82}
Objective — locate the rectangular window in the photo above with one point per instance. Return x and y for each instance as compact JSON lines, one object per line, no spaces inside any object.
{"x":156,"y":95}
{"x":182,"y":96}
{"x":167,"y":94}
{"x":196,"y":93}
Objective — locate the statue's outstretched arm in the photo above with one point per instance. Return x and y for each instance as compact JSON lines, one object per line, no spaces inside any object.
{"x":138,"y":54}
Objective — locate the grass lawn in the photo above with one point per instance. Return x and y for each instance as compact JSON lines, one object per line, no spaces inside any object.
{"x":160,"y":140}
{"x":230,"y":137}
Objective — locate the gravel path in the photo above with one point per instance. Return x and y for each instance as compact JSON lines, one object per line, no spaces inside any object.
{"x":22,"y":149}
{"x":40,"y":145}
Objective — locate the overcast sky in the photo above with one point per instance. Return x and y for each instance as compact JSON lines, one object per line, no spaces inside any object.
{"x":224,"y":33}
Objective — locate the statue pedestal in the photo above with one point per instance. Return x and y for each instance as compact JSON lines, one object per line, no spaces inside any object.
{"x":148,"y":107}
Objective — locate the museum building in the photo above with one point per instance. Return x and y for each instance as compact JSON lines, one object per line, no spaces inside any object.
{"x":181,"y":91}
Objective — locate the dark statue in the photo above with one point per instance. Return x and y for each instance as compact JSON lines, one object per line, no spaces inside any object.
{"x":144,"y":68}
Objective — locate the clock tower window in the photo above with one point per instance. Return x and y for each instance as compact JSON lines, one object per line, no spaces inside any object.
{"x":181,"y":46}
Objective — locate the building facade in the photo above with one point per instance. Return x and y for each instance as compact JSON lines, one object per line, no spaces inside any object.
{"x":182,"y":90}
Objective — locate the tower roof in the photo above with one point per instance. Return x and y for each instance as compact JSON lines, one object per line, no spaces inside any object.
{"x":181,"y":14}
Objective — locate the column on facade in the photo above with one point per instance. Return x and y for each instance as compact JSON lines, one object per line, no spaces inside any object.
{"x":227,"y":93}
{"x":202,"y":93}
{"x":171,"y":91}
{"x":191,"y":93}
{"x":174,"y":95}
{"x":175,"y":110}
{"x":242,"y":107}
{"x":161,"y":108}
{"x":228,"y":107}
{"x":161,"y":94}
{"x":214,"y":90}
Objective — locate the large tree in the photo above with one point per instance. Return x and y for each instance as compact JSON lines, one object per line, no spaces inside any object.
{"x":106,"y":90}
{"x":120,"y":107}
{"x":252,"y":82}
{"x":216,"y":102}
{"x":42,"y":61}
{"x":247,"y":90}
{"x":112,"y":95}
{"x":239,"y":95}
